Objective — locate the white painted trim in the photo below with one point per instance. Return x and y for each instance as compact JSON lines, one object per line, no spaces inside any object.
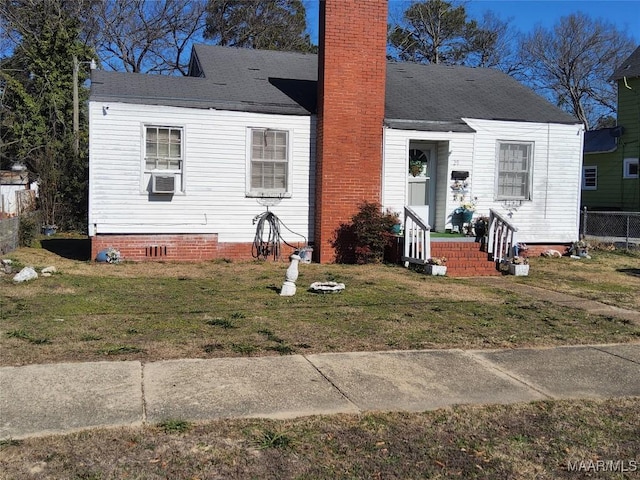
{"x":182,"y":174}
{"x":497,"y":196}
{"x":290,"y":145}
{"x":626,"y":167}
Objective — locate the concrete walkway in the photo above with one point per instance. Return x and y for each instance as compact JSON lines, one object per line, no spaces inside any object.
{"x":59,"y":398}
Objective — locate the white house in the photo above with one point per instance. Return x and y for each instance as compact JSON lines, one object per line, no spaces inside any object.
{"x":180,"y":166}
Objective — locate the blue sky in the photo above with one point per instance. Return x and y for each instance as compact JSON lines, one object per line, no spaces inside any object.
{"x":526,"y":14}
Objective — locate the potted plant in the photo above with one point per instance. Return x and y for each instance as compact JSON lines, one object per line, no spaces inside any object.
{"x":481,"y":227}
{"x":436,"y":266}
{"x":519,"y":266}
{"x":463,"y":214}
{"x":579,"y":249}
{"x":415,"y":167}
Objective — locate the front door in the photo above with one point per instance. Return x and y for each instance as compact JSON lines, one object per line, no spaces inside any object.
{"x":420,"y":178}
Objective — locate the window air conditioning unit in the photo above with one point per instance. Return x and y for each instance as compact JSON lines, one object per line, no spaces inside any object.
{"x":163,"y":183}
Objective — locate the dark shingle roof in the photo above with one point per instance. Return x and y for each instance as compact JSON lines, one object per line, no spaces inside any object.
{"x":449,"y":93}
{"x":424,"y":97}
{"x":630,"y":68}
{"x":603,"y":140}
{"x":236,"y":79}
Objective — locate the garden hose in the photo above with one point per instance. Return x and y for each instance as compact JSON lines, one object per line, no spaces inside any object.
{"x":268,"y":239}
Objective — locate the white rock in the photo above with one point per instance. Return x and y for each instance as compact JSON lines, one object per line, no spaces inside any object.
{"x":7,"y":261}
{"x":50,"y":270}
{"x":26,"y":274}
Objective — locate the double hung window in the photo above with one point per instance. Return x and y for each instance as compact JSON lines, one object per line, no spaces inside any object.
{"x":515,"y":163}
{"x":164,"y":153}
{"x":269,"y":162}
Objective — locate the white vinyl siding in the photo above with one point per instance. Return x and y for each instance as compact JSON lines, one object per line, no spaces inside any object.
{"x":552,"y":215}
{"x":514,"y":170}
{"x":590,"y":178}
{"x":215,"y":172}
{"x":269,"y":163}
{"x":453,"y":150}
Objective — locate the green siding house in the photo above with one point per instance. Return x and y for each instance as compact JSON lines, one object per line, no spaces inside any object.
{"x":610,"y":178}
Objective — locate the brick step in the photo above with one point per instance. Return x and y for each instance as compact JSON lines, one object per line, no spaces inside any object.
{"x":461,"y":262}
{"x":468,"y":255}
{"x":465,"y":259}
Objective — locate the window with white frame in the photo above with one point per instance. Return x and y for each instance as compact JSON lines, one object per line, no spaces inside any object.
{"x":269,"y":162}
{"x":164,"y":153}
{"x":515,"y":162}
{"x":589,"y":178}
{"x":630,"y":168}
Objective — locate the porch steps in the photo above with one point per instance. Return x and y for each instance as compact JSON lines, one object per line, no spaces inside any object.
{"x":465,"y":258}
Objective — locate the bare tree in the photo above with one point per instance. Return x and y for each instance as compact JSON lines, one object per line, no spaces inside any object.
{"x":572,"y":62}
{"x":493,"y":45}
{"x":267,"y":25}
{"x":146,"y":35}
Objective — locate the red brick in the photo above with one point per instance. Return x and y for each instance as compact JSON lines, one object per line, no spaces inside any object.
{"x":351,"y":87}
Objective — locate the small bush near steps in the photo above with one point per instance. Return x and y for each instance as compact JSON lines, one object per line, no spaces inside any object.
{"x":364,"y":239}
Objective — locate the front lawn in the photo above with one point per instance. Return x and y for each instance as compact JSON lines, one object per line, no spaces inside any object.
{"x":154,"y":311}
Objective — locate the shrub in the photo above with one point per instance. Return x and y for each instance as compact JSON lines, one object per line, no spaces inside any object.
{"x":28,"y":229}
{"x":365,"y":238}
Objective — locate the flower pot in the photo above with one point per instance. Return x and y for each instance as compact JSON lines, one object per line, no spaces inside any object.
{"x":519,"y":270}
{"x":467,"y":215}
{"x":49,"y":230}
{"x":435,"y":269}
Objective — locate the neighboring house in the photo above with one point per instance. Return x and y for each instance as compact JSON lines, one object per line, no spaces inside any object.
{"x":12,"y":185}
{"x":610,"y":179}
{"x":314,"y":136}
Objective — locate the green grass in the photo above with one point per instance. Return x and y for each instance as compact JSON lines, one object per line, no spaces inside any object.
{"x":273,"y":439}
{"x":175,"y":426}
{"x":120,"y":350}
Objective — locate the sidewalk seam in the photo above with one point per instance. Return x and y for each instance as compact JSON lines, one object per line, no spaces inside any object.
{"x":492,"y":366}
{"x":340,"y":391}
{"x":144,"y":398}
{"x":615,"y":354}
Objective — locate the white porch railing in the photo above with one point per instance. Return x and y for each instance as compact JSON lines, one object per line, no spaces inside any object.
{"x":502,"y":237}
{"x":417,"y":239}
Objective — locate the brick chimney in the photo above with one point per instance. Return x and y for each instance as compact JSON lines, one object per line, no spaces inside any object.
{"x":351,"y":94}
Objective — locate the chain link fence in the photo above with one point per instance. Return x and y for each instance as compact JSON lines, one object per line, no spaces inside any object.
{"x":9,"y":234}
{"x":611,"y":227}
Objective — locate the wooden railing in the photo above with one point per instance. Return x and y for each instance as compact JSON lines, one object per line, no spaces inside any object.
{"x":417,"y":239}
{"x":502,"y":237}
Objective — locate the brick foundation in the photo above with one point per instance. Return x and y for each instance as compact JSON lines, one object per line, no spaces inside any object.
{"x":536,"y":250}
{"x":176,"y":247}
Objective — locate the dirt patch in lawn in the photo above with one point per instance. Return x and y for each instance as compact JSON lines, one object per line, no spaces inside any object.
{"x":542,"y":440}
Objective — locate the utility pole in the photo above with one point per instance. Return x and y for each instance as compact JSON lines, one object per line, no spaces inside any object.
{"x":76,"y":102}
{"x":76,"y":108}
